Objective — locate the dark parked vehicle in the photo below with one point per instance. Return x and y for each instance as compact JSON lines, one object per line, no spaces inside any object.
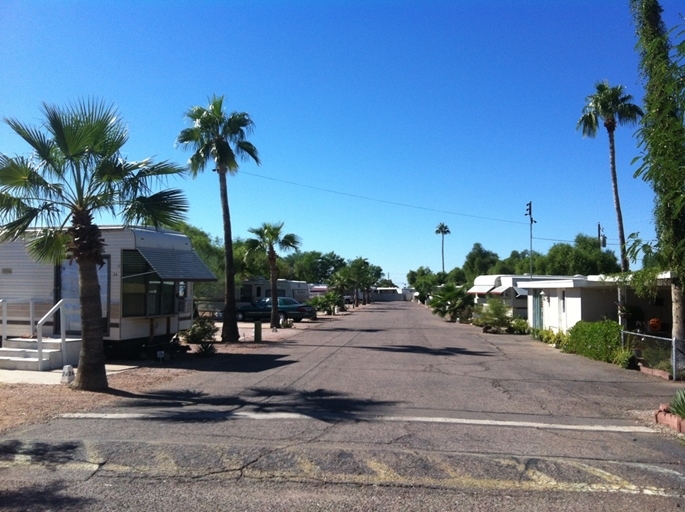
{"x":287,"y":308}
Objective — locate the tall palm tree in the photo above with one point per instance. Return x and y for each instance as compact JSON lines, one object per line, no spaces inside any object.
{"x":613,"y":108}
{"x":442,"y":230}
{"x":221,"y":138}
{"x":76,"y":171}
{"x":267,"y":238}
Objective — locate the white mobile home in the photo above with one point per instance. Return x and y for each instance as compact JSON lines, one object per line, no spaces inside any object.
{"x":145,"y":285}
{"x":260,"y":287}
{"x":558,"y":303}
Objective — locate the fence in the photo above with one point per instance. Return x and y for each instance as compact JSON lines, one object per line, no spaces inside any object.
{"x":667,"y":354}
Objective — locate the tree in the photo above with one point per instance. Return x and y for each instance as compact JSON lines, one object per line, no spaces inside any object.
{"x":221,"y":138}
{"x":442,"y":230}
{"x":341,"y":281}
{"x":313,"y":266}
{"x":386,"y":283}
{"x":211,"y":251}
{"x":662,"y":140}
{"x":479,"y":262}
{"x":267,"y":238}
{"x":614,"y":108}
{"x":77,"y":171}
{"x":450,"y":301}
{"x":423,"y":280}
{"x":584,"y":257}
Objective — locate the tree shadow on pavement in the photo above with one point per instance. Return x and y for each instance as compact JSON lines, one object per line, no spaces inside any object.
{"x":419,"y":349}
{"x":223,"y":362}
{"x":194,"y":407}
{"x":44,"y":497}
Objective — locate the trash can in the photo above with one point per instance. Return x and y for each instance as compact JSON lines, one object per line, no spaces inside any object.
{"x":258,"y":331}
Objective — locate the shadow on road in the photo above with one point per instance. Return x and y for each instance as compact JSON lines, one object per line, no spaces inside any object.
{"x":418,"y":349}
{"x":46,"y":497}
{"x":345,"y":329}
{"x":199,"y":407}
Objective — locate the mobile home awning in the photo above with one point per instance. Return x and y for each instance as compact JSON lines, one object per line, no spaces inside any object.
{"x":501,"y":289}
{"x":481,"y":288}
{"x":172,"y":265}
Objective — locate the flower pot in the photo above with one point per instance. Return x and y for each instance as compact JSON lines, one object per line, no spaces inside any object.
{"x":664,"y":417}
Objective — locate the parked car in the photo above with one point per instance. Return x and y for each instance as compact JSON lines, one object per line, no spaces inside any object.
{"x":287,"y":308}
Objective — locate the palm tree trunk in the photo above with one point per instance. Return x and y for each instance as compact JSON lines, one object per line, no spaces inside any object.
{"x":678,"y":327}
{"x":273,"y":276}
{"x":625,"y":265}
{"x":443,"y":253}
{"x":229,"y":332}
{"x":91,"y":375}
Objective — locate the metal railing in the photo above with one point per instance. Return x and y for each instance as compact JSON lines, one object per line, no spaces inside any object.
{"x":32,"y":314}
{"x":36,"y":328}
{"x":63,"y":332}
{"x":667,"y":354}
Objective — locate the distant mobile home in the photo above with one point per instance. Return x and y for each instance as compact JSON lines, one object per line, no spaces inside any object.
{"x":146,"y":288}
{"x":259,"y":287}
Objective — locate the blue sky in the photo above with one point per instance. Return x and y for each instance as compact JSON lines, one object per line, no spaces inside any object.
{"x":375,"y":120}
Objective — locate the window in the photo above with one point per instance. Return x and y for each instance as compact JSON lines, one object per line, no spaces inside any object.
{"x":143,"y":292}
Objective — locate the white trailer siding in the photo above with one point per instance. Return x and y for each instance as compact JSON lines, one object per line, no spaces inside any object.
{"x":24,"y":284}
{"x":173,"y":267}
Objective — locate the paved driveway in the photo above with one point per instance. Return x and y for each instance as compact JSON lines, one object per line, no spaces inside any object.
{"x":389,"y":408}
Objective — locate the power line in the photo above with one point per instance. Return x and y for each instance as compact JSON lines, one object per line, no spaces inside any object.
{"x":404,"y":205}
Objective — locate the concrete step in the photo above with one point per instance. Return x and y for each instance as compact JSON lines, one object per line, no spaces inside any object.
{"x":32,"y":343}
{"x":22,"y":353}
{"x":22,"y":363}
{"x":26,"y":352}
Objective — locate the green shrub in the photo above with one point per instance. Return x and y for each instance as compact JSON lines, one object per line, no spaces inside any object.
{"x":495,"y":314}
{"x":625,"y":359}
{"x":449,"y":302}
{"x":520,"y":326}
{"x":328,"y":302}
{"x":677,"y":405}
{"x":287,"y":323}
{"x":206,"y":349}
{"x":597,"y":340}
{"x":203,"y":330}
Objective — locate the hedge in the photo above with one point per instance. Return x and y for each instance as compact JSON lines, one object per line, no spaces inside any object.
{"x":596,"y":340}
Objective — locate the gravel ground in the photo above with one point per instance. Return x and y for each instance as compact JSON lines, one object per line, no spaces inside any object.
{"x":25,"y":404}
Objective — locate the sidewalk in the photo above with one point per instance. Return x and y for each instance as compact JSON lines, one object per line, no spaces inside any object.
{"x":51,"y":377}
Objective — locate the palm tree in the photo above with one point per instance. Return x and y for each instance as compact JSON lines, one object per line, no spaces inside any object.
{"x":76,"y":171}
{"x":442,"y":230}
{"x":221,"y":138}
{"x":613,"y":107}
{"x":267,"y":238}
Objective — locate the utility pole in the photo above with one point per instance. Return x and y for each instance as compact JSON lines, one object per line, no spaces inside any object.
{"x":529,"y":213}
{"x":601,"y":236}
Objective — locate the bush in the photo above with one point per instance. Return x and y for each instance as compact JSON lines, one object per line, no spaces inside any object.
{"x":206,"y":349}
{"x":520,"y":326}
{"x":203,"y":330}
{"x":677,"y":405}
{"x":597,"y":340}
{"x":495,"y":314}
{"x":625,"y":359}
{"x":328,"y":302}
{"x":450,"y":302}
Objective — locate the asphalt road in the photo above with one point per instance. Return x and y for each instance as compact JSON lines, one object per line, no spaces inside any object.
{"x":389,"y":408}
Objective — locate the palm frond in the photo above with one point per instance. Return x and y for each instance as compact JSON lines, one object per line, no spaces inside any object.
{"x":24,"y":217}
{"x":290,"y":241}
{"x":48,"y":245}
{"x":40,"y":143}
{"x":165,"y":208}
